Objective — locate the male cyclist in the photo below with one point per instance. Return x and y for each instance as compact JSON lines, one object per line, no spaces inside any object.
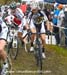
{"x":38,"y":19}
{"x":3,"y":42}
{"x":19,"y":19}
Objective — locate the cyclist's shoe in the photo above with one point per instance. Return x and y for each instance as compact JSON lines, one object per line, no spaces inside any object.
{"x":4,"y":69}
{"x":31,"y":49}
{"x":43,"y":55}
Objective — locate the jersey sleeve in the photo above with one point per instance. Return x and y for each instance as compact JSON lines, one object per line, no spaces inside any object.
{"x":45,"y":17}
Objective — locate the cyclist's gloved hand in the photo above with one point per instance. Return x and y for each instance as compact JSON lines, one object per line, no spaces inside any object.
{"x":48,"y":32}
{"x":24,"y":28}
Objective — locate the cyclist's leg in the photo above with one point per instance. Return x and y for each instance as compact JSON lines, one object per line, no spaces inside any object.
{"x":3,"y":37}
{"x":51,"y":27}
{"x":33,"y":30}
{"x":43,"y":37}
{"x":22,"y":32}
{"x":3,"y":53}
{"x":21,"y":35}
{"x":3,"y":56}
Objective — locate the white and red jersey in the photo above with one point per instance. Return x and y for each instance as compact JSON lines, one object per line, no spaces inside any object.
{"x":9,"y":19}
{"x":16,"y":21}
{"x":18,"y":18}
{"x":12,"y":20}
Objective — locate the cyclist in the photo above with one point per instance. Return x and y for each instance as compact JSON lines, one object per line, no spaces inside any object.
{"x":3,"y":42}
{"x":19,"y":19}
{"x":38,"y":19}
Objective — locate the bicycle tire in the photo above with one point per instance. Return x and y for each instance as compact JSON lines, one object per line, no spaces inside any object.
{"x":10,"y":65}
{"x":13,"y":51}
{"x":38,"y":57}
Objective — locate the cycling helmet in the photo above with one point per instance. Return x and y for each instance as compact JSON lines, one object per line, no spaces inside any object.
{"x":13,"y":6}
{"x":17,"y":4}
{"x":34,"y":5}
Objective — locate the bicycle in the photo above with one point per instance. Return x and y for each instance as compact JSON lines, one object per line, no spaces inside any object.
{"x":13,"y":44}
{"x":37,"y":50}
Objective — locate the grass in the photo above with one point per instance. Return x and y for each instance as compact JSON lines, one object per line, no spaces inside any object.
{"x":6,"y":1}
{"x":55,"y":62}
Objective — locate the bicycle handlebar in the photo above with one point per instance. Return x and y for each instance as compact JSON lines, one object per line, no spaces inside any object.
{"x":60,"y":27}
{"x":33,"y":33}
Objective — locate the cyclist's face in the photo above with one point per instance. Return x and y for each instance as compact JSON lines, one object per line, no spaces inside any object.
{"x":35,"y":10}
{"x":13,"y":11}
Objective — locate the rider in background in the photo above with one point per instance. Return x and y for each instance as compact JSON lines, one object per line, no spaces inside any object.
{"x":3,"y":42}
{"x":55,"y":20}
{"x":37,"y":20}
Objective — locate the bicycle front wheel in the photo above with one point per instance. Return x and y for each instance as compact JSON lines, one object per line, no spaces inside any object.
{"x":13,"y":48}
{"x":9,"y":66}
{"x":38,"y":57}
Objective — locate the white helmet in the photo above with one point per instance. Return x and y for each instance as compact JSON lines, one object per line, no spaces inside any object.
{"x":17,"y":3}
{"x":34,"y":5}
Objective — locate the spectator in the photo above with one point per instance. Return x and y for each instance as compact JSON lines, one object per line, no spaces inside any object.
{"x":60,"y":20}
{"x":60,"y":15}
{"x":56,"y":29}
{"x":65,"y":25}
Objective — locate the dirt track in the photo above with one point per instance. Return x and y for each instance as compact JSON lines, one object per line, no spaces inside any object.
{"x":54,"y":64}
